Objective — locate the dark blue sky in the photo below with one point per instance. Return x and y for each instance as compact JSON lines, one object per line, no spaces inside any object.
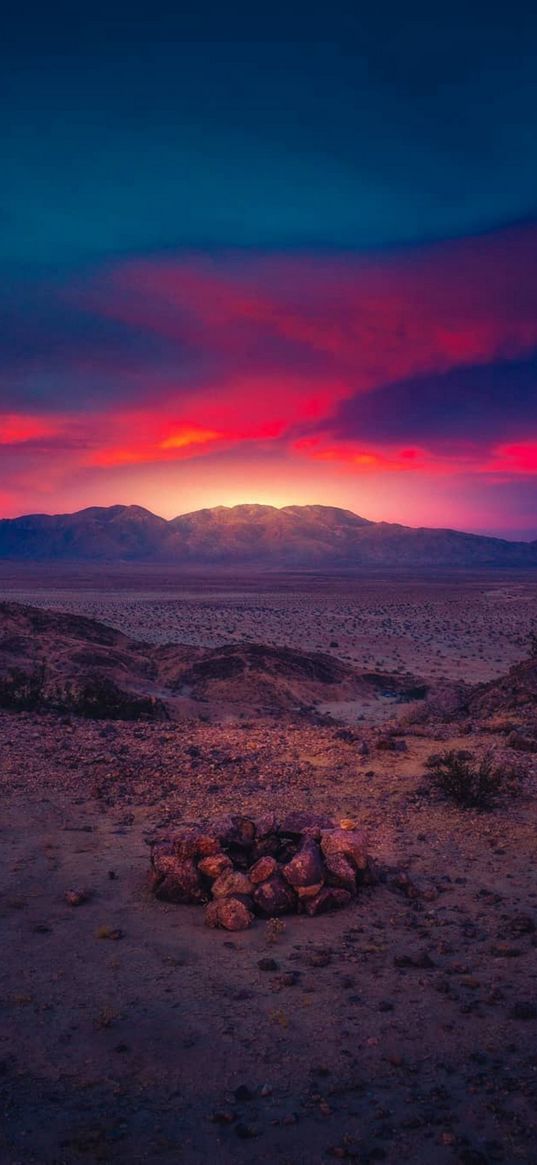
{"x":142,"y":126}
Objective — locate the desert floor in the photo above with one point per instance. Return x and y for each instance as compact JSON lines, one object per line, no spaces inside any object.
{"x":470,"y":627}
{"x":402,"y":1029}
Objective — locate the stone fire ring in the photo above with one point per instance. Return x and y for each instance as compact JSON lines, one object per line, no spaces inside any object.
{"x":245,"y":866}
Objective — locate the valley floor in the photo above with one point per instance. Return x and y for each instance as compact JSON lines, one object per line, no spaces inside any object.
{"x":463,"y":626}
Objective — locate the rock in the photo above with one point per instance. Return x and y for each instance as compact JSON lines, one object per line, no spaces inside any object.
{"x":236,"y":830}
{"x":231,"y":883}
{"x":340,"y":872}
{"x":521,"y":924}
{"x":306,"y":868}
{"x":185,"y":843}
{"x":329,"y":898}
{"x":229,"y":914}
{"x":524,"y":1010}
{"x":265,"y":847}
{"x":305,"y":824}
{"x":305,"y":892}
{"x":207,"y":844}
{"x":76,"y":897}
{"x":263,"y":869}
{"x":216,"y":864}
{"x":415,"y":887}
{"x":265,"y":825}
{"x":175,"y":879}
{"x":274,"y":896}
{"x":268,"y":965}
{"x":350,"y":842}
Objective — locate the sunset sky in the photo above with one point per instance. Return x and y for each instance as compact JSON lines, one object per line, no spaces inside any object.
{"x":277,"y":254}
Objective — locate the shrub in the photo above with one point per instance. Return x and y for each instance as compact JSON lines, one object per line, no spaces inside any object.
{"x":99,"y":698}
{"x":469,"y":782}
{"x":22,"y":691}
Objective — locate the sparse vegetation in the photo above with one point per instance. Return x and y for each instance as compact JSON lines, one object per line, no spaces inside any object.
{"x":470,"y":782}
{"x":99,"y":698}
{"x":22,"y":691}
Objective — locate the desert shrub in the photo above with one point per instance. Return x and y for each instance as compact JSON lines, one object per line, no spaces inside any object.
{"x":99,"y":698}
{"x":21,"y":690}
{"x":470,"y":782}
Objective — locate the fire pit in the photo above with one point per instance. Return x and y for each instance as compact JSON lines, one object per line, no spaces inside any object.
{"x":245,"y":866}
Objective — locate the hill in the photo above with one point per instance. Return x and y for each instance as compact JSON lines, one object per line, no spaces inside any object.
{"x":294,"y":537}
{"x":53,"y":661}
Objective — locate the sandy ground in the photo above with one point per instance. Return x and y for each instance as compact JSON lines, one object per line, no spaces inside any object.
{"x":403,"y":1029}
{"x":469,"y":627}
{"x":399,"y":1030}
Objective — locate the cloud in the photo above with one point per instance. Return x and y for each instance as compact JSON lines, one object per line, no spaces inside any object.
{"x":420,"y":363}
{"x":470,"y":405}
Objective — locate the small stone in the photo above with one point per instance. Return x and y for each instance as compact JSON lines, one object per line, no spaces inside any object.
{"x":246,"y":1131}
{"x":243,"y":1092}
{"x":268,"y":965}
{"x":228,"y":913}
{"x":76,"y":897}
{"x":223,"y":1117}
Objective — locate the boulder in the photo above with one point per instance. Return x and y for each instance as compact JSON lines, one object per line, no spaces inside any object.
{"x":207,"y":844}
{"x":175,"y":879}
{"x":329,"y":898}
{"x":340,"y":872}
{"x":185,"y":843}
{"x":236,"y":831}
{"x":305,"y":824}
{"x":230,"y":884}
{"x":263,"y":869}
{"x":214,"y":865}
{"x":265,"y":824}
{"x":350,"y":842}
{"x":228,"y":913}
{"x":306,"y":867}
{"x":306,"y":892}
{"x":274,"y":896}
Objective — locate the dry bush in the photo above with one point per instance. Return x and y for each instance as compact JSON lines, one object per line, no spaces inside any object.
{"x":23,"y":691}
{"x":470,"y":782}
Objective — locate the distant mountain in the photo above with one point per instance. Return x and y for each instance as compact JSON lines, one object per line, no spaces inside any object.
{"x":294,"y":537}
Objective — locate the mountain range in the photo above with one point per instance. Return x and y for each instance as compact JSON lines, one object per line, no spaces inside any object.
{"x":294,"y":537}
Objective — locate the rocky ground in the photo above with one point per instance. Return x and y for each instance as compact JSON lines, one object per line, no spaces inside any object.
{"x":402,"y":1028}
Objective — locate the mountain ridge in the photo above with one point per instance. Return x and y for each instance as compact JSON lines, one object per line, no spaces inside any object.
{"x":289,"y":537}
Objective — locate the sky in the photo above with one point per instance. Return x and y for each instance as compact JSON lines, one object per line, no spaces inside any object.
{"x":278,"y":253}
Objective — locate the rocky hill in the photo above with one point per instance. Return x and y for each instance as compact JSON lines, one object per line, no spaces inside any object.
{"x":294,"y":537}
{"x":68,"y":663}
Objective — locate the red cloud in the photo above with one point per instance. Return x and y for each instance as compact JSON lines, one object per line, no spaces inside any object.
{"x":19,"y":428}
{"x":257,"y":353}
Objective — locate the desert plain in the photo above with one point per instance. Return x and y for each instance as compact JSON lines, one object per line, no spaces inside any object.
{"x":402,"y":1028}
